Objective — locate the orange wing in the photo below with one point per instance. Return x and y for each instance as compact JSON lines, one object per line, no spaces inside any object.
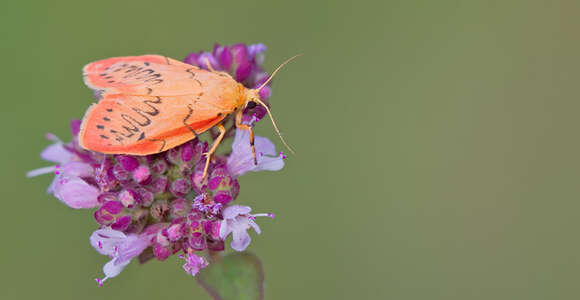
{"x":152,"y":75}
{"x":142,"y":125}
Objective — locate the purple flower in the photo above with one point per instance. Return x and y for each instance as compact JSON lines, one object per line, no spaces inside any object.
{"x":237,"y":220}
{"x":193,"y":264}
{"x":120,"y":247}
{"x":257,"y":52}
{"x":68,"y":185}
{"x":157,"y":205}
{"x":241,"y":160}
{"x":56,"y":153}
{"x":75,"y":192}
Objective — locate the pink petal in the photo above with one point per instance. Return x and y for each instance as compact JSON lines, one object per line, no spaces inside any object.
{"x":241,"y":240}
{"x":235,"y":210}
{"x":56,"y":153}
{"x":241,"y":160}
{"x":225,"y":229}
{"x":75,"y":192}
{"x":106,"y":240}
{"x":263,"y":145}
{"x":112,"y":268}
{"x":267,"y":163}
{"x":255,"y":226}
{"x":77,"y":168}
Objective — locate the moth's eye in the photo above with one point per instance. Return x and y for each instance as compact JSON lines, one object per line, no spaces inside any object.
{"x":251,"y":104}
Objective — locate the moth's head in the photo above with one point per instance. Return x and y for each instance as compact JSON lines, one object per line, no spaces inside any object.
{"x":252,"y":98}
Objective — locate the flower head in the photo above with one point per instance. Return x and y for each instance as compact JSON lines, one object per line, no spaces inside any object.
{"x":158,"y":205}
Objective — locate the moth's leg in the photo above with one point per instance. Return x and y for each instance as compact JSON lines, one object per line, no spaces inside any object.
{"x":214,"y":146}
{"x":209,"y":67}
{"x":243,"y":126}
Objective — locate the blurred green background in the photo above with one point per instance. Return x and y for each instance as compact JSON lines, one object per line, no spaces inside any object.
{"x":437,"y":145}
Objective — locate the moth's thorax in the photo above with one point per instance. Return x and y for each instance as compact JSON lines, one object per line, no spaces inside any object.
{"x":222,"y":91}
{"x":242,"y":95}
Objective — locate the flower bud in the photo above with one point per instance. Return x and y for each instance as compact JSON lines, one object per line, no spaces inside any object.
{"x":180,"y":187}
{"x":211,"y":229}
{"x":112,"y":207}
{"x":75,"y":127}
{"x":128,"y":198}
{"x":104,"y":175}
{"x":106,"y":196}
{"x":191,"y":59}
{"x":158,"y":166}
{"x":195,"y":178}
{"x":129,"y":163}
{"x":180,"y":207}
{"x":174,"y":232}
{"x":173,"y":155}
{"x":206,"y":57}
{"x":161,"y":252}
{"x":159,"y":185}
{"x":121,"y":223}
{"x":224,"y":56}
{"x":145,"y":196}
{"x":120,"y":173}
{"x":186,"y":152}
{"x":243,"y":72}
{"x":103,"y":217}
{"x":197,"y":241}
{"x":142,"y":174}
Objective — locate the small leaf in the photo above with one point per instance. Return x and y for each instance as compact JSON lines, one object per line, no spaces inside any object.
{"x":236,"y":276}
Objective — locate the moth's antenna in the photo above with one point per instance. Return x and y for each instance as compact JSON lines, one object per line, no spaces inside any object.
{"x":276,"y":71}
{"x":257,"y":99}
{"x":273,"y":122}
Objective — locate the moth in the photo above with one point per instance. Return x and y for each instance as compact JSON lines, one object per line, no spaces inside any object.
{"x":151,"y":103}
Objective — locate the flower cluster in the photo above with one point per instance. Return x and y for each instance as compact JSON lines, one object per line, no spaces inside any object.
{"x":158,"y":205}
